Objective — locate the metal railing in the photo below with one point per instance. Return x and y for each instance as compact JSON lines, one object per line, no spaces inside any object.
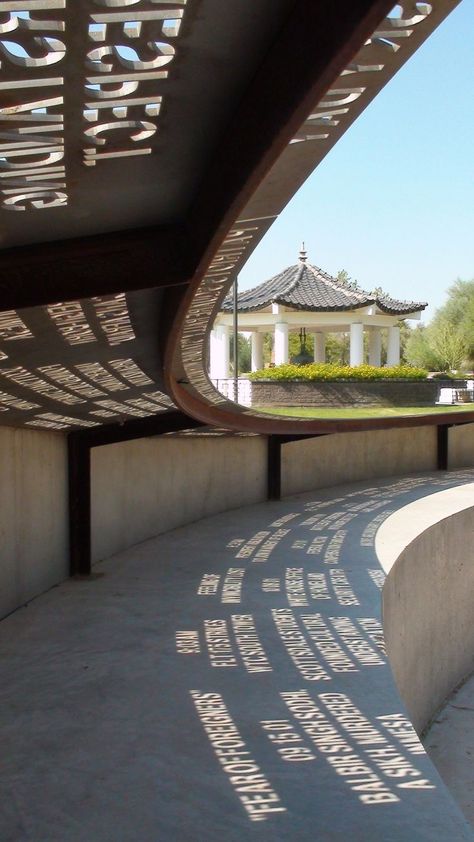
{"x":226,"y":386}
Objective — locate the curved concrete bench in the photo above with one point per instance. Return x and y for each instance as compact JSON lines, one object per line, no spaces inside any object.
{"x":224,"y":681}
{"x":427,"y":551}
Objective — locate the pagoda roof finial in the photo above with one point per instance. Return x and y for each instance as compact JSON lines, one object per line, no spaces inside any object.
{"x":302,"y":254}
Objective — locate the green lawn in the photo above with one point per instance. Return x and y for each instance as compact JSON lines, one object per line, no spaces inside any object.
{"x":361,"y":411}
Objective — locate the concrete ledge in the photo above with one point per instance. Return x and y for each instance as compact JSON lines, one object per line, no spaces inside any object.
{"x":426,"y":549}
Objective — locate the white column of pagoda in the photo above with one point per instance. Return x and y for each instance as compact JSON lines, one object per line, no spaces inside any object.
{"x":319,"y":347}
{"x":375,"y":347}
{"x":281,"y":343}
{"x":393,"y":345}
{"x":219,"y":353}
{"x":357,"y":344}
{"x":257,"y":350}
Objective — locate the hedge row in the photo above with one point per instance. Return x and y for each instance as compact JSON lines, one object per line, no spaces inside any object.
{"x":329,"y":371}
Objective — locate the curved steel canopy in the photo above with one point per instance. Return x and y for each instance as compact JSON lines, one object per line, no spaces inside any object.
{"x":146,"y":147}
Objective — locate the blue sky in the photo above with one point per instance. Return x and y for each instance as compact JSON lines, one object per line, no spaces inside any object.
{"x":393,"y":202}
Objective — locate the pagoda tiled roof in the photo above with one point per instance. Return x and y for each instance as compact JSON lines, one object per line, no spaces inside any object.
{"x":308,"y":288}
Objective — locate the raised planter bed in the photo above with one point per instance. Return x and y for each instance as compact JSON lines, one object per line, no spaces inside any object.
{"x":345,"y":393}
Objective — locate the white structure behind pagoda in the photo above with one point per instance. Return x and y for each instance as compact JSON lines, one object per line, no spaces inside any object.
{"x":303,"y":296}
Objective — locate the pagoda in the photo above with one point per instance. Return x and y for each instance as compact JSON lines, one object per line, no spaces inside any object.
{"x":305,"y":298}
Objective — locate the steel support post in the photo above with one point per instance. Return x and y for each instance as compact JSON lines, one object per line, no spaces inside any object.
{"x":274,"y":468}
{"x":443,"y":449}
{"x":79,"y":506}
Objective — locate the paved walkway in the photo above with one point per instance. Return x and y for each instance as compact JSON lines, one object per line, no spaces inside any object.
{"x":225,"y":681}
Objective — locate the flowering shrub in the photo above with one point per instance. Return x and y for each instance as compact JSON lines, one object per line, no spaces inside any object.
{"x":330,"y":371}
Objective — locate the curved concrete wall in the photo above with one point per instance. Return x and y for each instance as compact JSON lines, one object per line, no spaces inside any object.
{"x":33,"y":515}
{"x":461,"y":446}
{"x":348,"y":457}
{"x":145,"y":487}
{"x":141,"y":488}
{"x":428,"y":598}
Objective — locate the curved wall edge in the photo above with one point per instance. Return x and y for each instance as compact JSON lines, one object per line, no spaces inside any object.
{"x":427,"y":549}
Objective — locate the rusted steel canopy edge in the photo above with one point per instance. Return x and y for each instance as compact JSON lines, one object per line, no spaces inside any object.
{"x":282,"y":94}
{"x":363,"y":39}
{"x":316,"y":43}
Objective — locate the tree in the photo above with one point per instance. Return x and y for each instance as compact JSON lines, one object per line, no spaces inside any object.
{"x":294,"y":344}
{"x":244,"y":353}
{"x":459,"y":298}
{"x":344,"y":278}
{"x":337,"y":348}
{"x":267,"y":348}
{"x":419,"y":351}
{"x":458,"y":311}
{"x":448,"y":343}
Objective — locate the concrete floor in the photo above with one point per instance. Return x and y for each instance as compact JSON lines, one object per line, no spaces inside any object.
{"x":450,"y":744}
{"x":225,"y":681}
